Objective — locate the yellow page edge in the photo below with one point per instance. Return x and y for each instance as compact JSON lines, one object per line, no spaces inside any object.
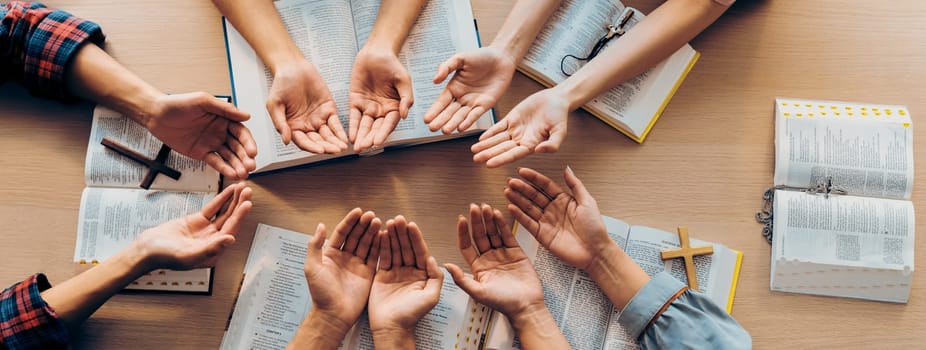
{"x":736,"y":278}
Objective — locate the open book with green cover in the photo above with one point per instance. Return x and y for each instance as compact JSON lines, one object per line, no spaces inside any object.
{"x":274,"y":299}
{"x":330,"y":33}
{"x":582,"y":311}
{"x":632,"y":107}
{"x":853,"y":234}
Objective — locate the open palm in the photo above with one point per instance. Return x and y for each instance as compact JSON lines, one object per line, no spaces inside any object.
{"x":480,"y":78}
{"x":303,"y":111}
{"x":380,"y":96}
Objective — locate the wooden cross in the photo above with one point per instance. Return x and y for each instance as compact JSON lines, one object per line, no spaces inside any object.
{"x":157,"y":165}
{"x":688,"y":253}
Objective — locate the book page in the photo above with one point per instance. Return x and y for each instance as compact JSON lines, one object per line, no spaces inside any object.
{"x":866,"y":149}
{"x":844,"y":230}
{"x":274,"y":299}
{"x":111,"y":218}
{"x":579,"y":307}
{"x":574,"y":29}
{"x":444,"y":28}
{"x":106,"y":168}
{"x":324,"y":32}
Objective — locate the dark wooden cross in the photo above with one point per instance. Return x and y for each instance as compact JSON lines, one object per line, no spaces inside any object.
{"x":156,"y":166}
{"x":688,"y":253}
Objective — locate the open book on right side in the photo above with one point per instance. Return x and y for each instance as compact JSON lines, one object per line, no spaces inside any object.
{"x":582,"y":311}
{"x":632,"y":107}
{"x":857,"y":243}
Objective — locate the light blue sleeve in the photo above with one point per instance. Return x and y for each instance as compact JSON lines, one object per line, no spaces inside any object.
{"x":692,"y":321}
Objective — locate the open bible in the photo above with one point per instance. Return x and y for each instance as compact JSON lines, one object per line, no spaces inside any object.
{"x":840,"y":219}
{"x":632,"y":107}
{"x":585,"y":315}
{"x":330,"y":33}
{"x":274,"y":299}
{"x":114,"y":210}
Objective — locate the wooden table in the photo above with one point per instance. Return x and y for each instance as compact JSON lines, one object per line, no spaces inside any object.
{"x":705,"y":164}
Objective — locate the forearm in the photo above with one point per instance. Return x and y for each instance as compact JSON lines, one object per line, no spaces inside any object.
{"x":393,"y":23}
{"x":319,"y":331}
{"x":260,"y":24}
{"x":618,"y":276}
{"x":537,"y":329}
{"x":394,"y":339}
{"x":96,"y":76}
{"x":79,"y":297}
{"x":652,"y":40}
{"x":522,"y":25}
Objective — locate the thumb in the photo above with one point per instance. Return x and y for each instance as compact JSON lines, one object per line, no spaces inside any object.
{"x":551,"y":145}
{"x":278,"y":116}
{"x":468,"y":284}
{"x":224,"y":109}
{"x":450,"y":65}
{"x":406,"y":96}
{"x":213,"y":247}
{"x":578,"y":189}
{"x":435,"y":277}
{"x":318,"y":240}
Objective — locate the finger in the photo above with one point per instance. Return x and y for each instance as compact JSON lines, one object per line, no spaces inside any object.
{"x":419,"y":247}
{"x":303,"y":141}
{"x":406,"y":96}
{"x":385,"y":263}
{"x":458,"y":117}
{"x":551,"y":145}
{"x":227,"y":207}
{"x":466,"y":283}
{"x":446,"y":114}
{"x":223,"y":109}
{"x":496,"y":150}
{"x":232,"y":159}
{"x":540,"y":182}
{"x":366,"y":124}
{"x":212,"y":208}
{"x":435,"y":276}
{"x":243,"y":135}
{"x":405,"y":241}
{"x":443,"y":100}
{"x":539,"y":198}
{"x":367,"y":140}
{"x":495,"y":129}
{"x":388,"y":125}
{"x":242,"y":154}
{"x":233,"y":224}
{"x":479,"y":230}
{"x":216,"y":162}
{"x":578,"y":188}
{"x":317,"y":138}
{"x":345,"y":227}
{"x":278,"y":116}
{"x":353,"y":239}
{"x":491,"y":229}
{"x":510,"y":156}
{"x":465,"y":241}
{"x":394,"y":246}
{"x":490,"y":142}
{"x":334,"y":123}
{"x":318,"y":240}
{"x":331,"y":138}
{"x":366,"y":243}
{"x":375,"y":251}
{"x":504,"y":230}
{"x":354,"y":124}
{"x":471,"y":118}
{"x":523,"y":219}
{"x":526,"y":206}
{"x":211,"y":248}
{"x":451,"y":65}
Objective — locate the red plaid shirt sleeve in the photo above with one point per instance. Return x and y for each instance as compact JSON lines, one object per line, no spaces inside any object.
{"x":26,"y":321}
{"x":37,"y":44}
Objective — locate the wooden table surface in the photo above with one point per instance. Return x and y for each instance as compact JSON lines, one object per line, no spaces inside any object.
{"x":705,"y":164}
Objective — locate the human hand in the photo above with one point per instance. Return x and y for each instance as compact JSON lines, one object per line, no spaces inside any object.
{"x":569,"y":226}
{"x":202,"y":127}
{"x":340,"y":273}
{"x":303,"y":111}
{"x":480,"y":78}
{"x":503,"y":278}
{"x":537,"y":124}
{"x":380,"y":95}
{"x":196,"y":240}
{"x":408,"y":282}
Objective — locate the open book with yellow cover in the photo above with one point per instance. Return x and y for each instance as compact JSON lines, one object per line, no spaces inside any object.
{"x":632,"y":107}
{"x":584,"y":313}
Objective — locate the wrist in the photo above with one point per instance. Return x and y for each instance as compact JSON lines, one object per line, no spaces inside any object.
{"x":573,"y":91}
{"x":326,"y":324}
{"x":142,"y":105}
{"x":393,"y":337}
{"x":380,"y":45}
{"x":280,"y":59}
{"x":134,"y":260}
{"x":535,"y":315}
